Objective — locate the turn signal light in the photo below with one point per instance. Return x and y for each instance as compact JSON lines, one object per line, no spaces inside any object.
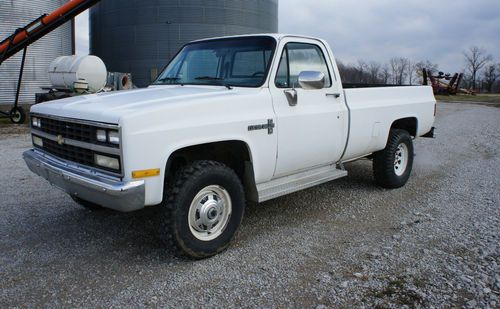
{"x":146,"y":173}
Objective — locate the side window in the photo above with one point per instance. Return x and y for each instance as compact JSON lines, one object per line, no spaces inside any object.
{"x":300,"y":57}
{"x":282,"y":74}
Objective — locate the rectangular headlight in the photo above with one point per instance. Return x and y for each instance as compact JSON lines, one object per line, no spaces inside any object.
{"x":101,"y":136}
{"x":107,"y":162}
{"x":37,"y":141}
{"x":114,"y":137}
{"x":36,"y":122}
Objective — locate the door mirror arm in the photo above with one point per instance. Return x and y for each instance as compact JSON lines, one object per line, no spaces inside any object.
{"x":291,"y":96}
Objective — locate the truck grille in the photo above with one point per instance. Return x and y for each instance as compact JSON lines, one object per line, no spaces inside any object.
{"x":71,"y":130}
{"x":70,"y":153}
{"x":75,"y":141}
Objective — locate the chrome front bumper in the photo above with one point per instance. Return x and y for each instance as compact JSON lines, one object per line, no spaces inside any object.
{"x":89,"y":186}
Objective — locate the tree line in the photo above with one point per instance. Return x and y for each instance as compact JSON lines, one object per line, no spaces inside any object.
{"x":481,"y":73}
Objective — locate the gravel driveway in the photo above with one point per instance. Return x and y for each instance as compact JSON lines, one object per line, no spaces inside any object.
{"x":434,"y":242}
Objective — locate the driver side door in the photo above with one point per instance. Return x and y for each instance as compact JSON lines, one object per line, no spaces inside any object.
{"x":311,"y":132}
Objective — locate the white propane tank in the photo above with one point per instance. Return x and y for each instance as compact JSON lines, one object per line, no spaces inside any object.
{"x":67,"y":71}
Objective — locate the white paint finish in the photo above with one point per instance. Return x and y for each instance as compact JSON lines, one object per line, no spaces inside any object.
{"x":197,"y":121}
{"x":385,"y":105}
{"x":159,"y":120}
{"x":313,"y":132}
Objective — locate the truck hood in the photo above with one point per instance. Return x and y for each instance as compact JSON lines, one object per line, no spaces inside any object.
{"x":109,"y":107}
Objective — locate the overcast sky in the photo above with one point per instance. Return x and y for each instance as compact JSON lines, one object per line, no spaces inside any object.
{"x":380,"y":29}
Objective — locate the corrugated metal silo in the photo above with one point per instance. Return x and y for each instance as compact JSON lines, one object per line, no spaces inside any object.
{"x":140,"y":37}
{"x":60,"y":42}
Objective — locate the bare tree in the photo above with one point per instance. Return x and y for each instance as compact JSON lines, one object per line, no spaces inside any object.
{"x":431,"y":68}
{"x":411,"y":71}
{"x":426,"y":64}
{"x":491,"y":73}
{"x":398,"y":69}
{"x":361,"y":74}
{"x":385,"y":74}
{"x":476,"y":58}
{"x":373,"y":71}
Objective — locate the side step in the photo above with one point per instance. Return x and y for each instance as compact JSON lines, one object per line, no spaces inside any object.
{"x":296,"y":182}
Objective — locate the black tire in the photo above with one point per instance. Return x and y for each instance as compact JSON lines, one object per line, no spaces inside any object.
{"x":17,"y":115}
{"x":87,"y":204}
{"x":189,"y":184}
{"x":385,"y":165}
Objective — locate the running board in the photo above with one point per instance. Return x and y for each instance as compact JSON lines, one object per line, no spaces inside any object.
{"x":296,"y":182}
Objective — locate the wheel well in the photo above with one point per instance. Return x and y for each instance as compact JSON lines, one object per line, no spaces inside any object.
{"x":408,"y":124}
{"x":234,"y":154}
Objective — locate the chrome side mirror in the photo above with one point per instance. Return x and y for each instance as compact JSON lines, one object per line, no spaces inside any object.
{"x":311,"y":80}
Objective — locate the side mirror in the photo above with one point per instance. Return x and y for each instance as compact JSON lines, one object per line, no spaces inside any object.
{"x":311,"y":80}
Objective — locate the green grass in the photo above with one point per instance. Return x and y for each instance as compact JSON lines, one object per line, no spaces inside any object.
{"x":485,"y":98}
{"x":5,"y":121}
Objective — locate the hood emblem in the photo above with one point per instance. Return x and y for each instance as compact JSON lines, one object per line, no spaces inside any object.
{"x":60,"y":140}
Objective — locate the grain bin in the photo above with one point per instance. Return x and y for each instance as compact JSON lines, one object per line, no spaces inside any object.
{"x":141,"y":36}
{"x":15,"y":14}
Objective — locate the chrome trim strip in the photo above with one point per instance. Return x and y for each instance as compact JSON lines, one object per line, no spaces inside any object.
{"x":71,"y":142}
{"x":80,"y":121}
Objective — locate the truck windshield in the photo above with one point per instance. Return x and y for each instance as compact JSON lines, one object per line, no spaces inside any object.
{"x":241,"y":62}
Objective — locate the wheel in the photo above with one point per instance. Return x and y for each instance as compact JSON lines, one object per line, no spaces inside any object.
{"x":17,"y":115}
{"x":87,"y":204}
{"x":203,"y":210}
{"x":392,"y":165}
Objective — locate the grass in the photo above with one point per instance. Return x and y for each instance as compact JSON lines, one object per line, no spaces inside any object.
{"x":483,"y":98}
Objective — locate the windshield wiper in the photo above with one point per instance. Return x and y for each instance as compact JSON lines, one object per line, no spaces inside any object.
{"x":214,"y":78}
{"x":208,"y":78}
{"x":170,"y":79}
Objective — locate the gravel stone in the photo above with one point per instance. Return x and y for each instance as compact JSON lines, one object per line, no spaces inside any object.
{"x":297,"y":251}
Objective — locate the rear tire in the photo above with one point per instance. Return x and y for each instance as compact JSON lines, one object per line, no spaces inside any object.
{"x":392,"y":166}
{"x":203,"y":210}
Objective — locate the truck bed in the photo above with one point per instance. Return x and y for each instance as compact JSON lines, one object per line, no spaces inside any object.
{"x":373,"y":110}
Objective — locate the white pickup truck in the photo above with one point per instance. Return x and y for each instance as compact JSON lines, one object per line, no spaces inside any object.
{"x":229,"y":120}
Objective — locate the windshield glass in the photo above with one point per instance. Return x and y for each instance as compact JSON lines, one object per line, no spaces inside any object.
{"x":229,"y":62}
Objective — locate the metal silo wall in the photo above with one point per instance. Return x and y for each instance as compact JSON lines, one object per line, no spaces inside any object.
{"x":16,"y":14}
{"x":141,"y":36}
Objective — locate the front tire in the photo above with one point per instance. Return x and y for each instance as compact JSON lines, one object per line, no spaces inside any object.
{"x":203,"y":210}
{"x":392,"y":166}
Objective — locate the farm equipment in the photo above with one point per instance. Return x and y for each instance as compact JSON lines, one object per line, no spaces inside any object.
{"x":442,"y":84}
{"x":23,"y":37}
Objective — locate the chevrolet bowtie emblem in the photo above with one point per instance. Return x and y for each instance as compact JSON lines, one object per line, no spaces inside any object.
{"x":60,"y":139}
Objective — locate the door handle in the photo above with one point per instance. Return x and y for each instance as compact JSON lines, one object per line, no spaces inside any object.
{"x":335,"y":95}
{"x":291,"y":96}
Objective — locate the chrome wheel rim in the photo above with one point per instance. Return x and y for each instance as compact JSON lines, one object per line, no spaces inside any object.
{"x":400,"y":159}
{"x":209,"y":212}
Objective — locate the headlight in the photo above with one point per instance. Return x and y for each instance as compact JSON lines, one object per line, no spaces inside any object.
{"x":36,"y":122}
{"x":114,"y":137}
{"x":107,"y":162}
{"x":108,"y":136}
{"x":101,"y":136}
{"x":37,"y":141}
